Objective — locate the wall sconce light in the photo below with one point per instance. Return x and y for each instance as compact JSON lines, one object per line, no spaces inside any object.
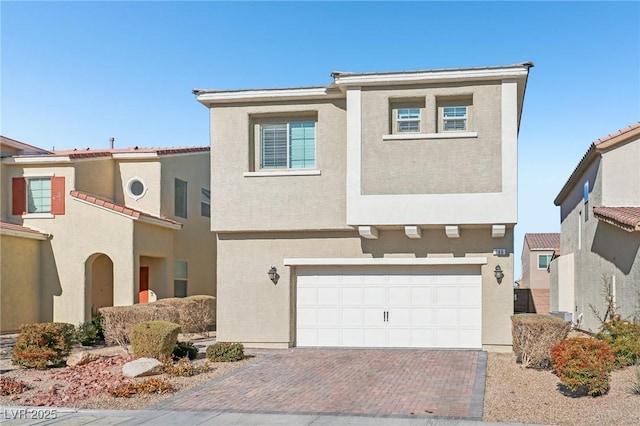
{"x":498,"y":274}
{"x":273,"y":275}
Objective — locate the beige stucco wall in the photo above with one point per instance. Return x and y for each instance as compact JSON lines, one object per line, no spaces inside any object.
{"x":95,"y":177}
{"x":432,"y":166}
{"x":194,"y":243}
{"x":621,"y":175}
{"x":19,"y":278}
{"x":532,"y":277}
{"x":148,"y":172}
{"x":241,"y":203}
{"x":254,"y":311}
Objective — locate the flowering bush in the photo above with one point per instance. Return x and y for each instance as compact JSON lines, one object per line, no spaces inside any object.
{"x":583,"y":364}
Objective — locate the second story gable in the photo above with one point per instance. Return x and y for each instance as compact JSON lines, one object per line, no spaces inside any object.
{"x":170,"y":183}
{"x":418,"y":148}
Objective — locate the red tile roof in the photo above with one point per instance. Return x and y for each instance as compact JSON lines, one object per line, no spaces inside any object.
{"x":127,"y":211}
{"x":545,"y":241}
{"x":627,"y":218}
{"x":91,"y":153}
{"x":20,"y":229}
{"x":621,"y":135}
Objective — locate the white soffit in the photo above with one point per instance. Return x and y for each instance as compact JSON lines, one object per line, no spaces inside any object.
{"x":498,"y":231}
{"x":364,"y":261}
{"x":452,"y":231}
{"x":413,"y":231}
{"x":368,"y":232}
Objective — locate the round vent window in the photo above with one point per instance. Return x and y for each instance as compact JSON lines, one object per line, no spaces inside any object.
{"x":136,"y":188}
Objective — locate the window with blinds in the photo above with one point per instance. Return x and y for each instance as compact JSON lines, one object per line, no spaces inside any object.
{"x":289,"y":145}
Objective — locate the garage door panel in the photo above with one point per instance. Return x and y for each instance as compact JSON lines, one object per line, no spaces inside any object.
{"x":374,"y":296}
{"x":423,"y":296}
{"x":470,"y":317}
{"x":400,"y":337}
{"x":399,"y":295}
{"x":307,"y":337}
{"x":470,"y":296}
{"x":375,"y":337}
{"x":328,"y":316}
{"x":352,"y":337}
{"x":447,"y":296}
{"x":307,"y":316}
{"x":373,"y":315}
{"x":446,"y":317}
{"x":470,"y":338}
{"x":447,"y":338}
{"x":307,"y":296}
{"x":328,"y":337}
{"x":352,"y":317}
{"x":327,"y":296}
{"x":422,"y":317}
{"x":352,"y":296}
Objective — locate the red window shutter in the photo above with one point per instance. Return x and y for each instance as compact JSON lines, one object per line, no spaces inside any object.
{"x":57,"y":195}
{"x":18,"y":196}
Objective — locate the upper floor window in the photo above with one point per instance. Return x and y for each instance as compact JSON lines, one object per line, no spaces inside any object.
{"x":454,"y":118}
{"x":408,"y":120}
{"x":454,"y":114}
{"x":205,"y":202}
{"x":543,"y":261}
{"x":180,"y":198}
{"x":38,"y":195}
{"x":290,"y":145}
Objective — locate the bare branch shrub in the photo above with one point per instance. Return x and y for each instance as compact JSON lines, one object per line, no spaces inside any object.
{"x":197,"y":313}
{"x":533,"y":337}
{"x":607,"y":292}
{"x":118,"y":321}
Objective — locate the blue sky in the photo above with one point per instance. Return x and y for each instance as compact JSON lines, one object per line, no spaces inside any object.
{"x":76,"y":73}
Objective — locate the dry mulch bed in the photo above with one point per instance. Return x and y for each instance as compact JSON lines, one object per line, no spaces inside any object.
{"x":87,"y":386}
{"x":517,"y":394}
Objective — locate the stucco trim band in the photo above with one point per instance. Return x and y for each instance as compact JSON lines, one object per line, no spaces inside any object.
{"x":418,"y":136}
{"x":283,"y":173}
{"x":364,"y":261}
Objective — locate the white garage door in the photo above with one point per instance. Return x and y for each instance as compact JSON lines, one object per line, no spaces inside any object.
{"x":389,"y":306}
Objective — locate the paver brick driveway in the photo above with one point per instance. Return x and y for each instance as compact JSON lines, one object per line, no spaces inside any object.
{"x":377,"y":382}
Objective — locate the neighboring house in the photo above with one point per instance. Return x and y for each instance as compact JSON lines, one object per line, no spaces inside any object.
{"x":600,"y":232}
{"x":537,"y":251}
{"x":9,"y":147}
{"x":367,"y":212}
{"x":85,"y":229}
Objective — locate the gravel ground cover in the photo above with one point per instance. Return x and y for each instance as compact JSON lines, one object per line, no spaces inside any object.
{"x":512,"y":393}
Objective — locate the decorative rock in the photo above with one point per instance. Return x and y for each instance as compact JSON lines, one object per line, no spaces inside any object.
{"x":142,"y":367}
{"x":81,"y":358}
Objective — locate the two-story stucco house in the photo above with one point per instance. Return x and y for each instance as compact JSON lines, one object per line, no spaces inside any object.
{"x":371,"y":212}
{"x":600,"y":232}
{"x":537,"y":251}
{"x":85,"y":229}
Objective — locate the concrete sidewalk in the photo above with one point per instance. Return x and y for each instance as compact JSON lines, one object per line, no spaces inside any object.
{"x":70,"y":417}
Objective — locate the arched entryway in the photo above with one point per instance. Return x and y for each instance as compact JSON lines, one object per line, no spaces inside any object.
{"x":99,"y":283}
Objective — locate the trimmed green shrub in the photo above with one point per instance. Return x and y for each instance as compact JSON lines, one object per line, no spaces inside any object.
{"x":583,"y":365}
{"x":118,"y":321}
{"x":225,"y":351}
{"x":185,"y":349}
{"x":87,"y":334}
{"x":154,"y":339}
{"x":196,"y":313}
{"x":43,"y":345}
{"x":96,"y":320}
{"x":624,"y":338}
{"x":533,"y":337}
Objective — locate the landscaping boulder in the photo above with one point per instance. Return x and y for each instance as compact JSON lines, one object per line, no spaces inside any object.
{"x":142,"y":367}
{"x":81,"y":358}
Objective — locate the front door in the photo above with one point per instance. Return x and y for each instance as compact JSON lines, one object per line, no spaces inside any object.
{"x":143,"y":297}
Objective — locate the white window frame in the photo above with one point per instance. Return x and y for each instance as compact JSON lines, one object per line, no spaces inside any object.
{"x":548,"y":256}
{"x":29,"y":179}
{"x":288,"y":158}
{"x":455,"y":118}
{"x":400,"y":120}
